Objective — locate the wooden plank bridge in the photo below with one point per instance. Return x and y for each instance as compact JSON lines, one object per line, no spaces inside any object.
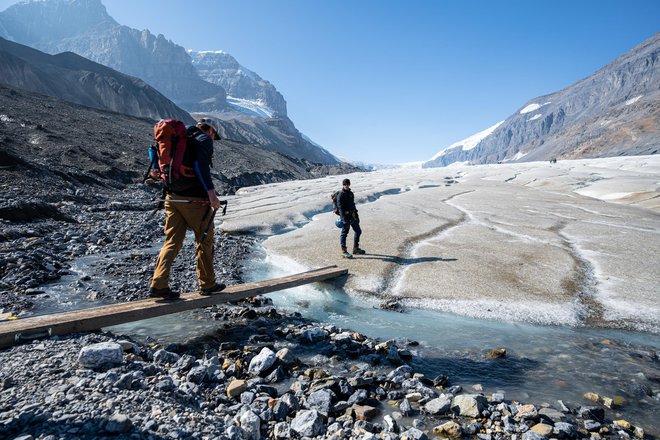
{"x":13,"y":332}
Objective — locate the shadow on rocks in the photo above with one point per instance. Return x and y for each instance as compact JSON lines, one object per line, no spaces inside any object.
{"x":40,"y":426}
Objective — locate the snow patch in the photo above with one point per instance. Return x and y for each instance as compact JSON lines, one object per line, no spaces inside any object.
{"x":535,"y":117}
{"x":532,"y":107}
{"x":204,"y":52}
{"x":250,"y":107}
{"x":469,"y":142}
{"x":5,"y":118}
{"x":634,"y":100}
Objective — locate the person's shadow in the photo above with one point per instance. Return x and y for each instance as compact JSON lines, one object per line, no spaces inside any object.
{"x":401,"y":260}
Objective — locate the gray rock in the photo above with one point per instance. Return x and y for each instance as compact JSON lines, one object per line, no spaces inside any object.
{"x":280,"y":411}
{"x":406,"y":408}
{"x":165,"y":357}
{"x":358,"y":396}
{"x":469,"y":405}
{"x":404,"y":371}
{"x":102,"y":354}
{"x":251,"y":425}
{"x":262,"y":362}
{"x":276,"y":376}
{"x":118,"y":424}
{"x":413,"y":434}
{"x":552,"y":414}
{"x":307,"y":423}
{"x":196,"y":374}
{"x":282,"y":430}
{"x":531,"y":435}
{"x":564,"y":430}
{"x":234,"y":433}
{"x":321,"y":401}
{"x":592,"y":413}
{"x":286,"y":357}
{"x":166,"y":384}
{"x":291,"y":402}
{"x":440,"y":405}
{"x":313,"y":335}
{"x":592,"y":425}
{"x":498,"y":397}
{"x":390,"y":423}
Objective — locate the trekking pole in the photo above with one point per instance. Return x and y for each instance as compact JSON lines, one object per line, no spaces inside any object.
{"x":223,"y":203}
{"x":206,"y":229}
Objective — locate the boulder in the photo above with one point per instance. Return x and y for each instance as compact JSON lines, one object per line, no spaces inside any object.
{"x":100,"y":355}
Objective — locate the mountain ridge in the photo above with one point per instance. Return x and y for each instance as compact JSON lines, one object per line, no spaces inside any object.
{"x":158,"y":61}
{"x":614,"y":111}
{"x":76,"y":79}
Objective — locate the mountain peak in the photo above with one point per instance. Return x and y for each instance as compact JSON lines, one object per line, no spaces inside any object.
{"x":32,"y":21}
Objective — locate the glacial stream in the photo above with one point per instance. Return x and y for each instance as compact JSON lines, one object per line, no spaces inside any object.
{"x":543,"y":364}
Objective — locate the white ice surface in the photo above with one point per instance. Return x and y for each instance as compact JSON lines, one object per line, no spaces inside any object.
{"x":571,"y":243}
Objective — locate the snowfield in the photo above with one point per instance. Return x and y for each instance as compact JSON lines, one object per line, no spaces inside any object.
{"x":572,"y":243}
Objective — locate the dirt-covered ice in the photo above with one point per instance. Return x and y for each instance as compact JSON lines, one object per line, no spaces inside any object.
{"x":574,"y":243}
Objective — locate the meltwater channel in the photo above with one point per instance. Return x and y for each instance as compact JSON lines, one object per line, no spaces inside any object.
{"x":543,"y":363}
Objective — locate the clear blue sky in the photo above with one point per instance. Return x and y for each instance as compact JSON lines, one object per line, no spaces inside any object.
{"x":399,"y":80}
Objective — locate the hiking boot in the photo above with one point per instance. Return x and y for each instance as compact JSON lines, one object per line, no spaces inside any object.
{"x":345,"y":254}
{"x":358,"y":251}
{"x":165,"y":293}
{"x":219,"y":287}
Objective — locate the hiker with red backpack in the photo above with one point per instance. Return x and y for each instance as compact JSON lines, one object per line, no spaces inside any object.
{"x":348,"y":215}
{"x":184,"y":158}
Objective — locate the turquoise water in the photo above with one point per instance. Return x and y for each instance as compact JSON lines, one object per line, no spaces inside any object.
{"x":543,"y":363}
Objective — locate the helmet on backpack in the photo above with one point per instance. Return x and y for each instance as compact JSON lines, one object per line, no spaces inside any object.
{"x":339,"y":223}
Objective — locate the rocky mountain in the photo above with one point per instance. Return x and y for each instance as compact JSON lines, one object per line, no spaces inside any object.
{"x":84,"y":27}
{"x":246,"y":91}
{"x":613,"y":112}
{"x":76,"y":79}
{"x":104,"y":149}
{"x":274,"y":134}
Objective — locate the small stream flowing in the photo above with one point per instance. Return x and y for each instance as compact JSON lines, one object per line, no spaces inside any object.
{"x":542,"y":365}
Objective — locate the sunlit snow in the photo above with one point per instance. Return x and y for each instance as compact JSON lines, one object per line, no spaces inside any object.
{"x":532,"y":107}
{"x":469,"y":142}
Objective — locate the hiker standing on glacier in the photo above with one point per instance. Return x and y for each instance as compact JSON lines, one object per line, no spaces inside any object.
{"x":348,"y":214}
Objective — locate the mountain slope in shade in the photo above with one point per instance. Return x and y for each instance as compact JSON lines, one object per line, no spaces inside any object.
{"x":84,"y":27}
{"x":614,"y":112}
{"x":76,"y":79}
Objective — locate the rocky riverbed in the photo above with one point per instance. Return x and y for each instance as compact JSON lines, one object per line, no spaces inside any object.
{"x":123,"y":233}
{"x":265,"y":375}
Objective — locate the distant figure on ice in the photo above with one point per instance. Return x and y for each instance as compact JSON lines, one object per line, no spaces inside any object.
{"x":191,"y":202}
{"x":348,"y":214}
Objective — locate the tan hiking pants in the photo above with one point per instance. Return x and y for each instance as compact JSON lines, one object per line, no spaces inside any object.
{"x":179,"y":217}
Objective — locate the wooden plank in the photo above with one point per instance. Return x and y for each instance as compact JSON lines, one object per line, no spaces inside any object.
{"x":99,"y":317}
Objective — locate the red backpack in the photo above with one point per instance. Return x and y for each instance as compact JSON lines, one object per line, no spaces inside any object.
{"x":172,"y":160}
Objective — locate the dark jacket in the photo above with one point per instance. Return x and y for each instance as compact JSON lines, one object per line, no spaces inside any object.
{"x":346,"y":203}
{"x":203,"y":161}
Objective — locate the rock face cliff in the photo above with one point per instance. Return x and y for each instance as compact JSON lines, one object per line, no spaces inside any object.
{"x":76,"y":79}
{"x":240,"y":83}
{"x":614,"y":112}
{"x":85,"y":28}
